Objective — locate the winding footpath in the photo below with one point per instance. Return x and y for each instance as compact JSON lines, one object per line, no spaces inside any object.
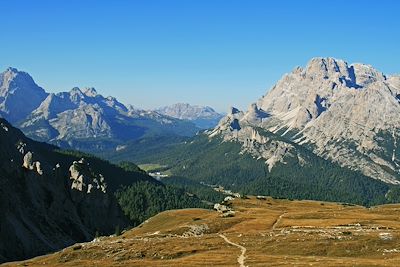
{"x":278,"y":220}
{"x":242,"y":256}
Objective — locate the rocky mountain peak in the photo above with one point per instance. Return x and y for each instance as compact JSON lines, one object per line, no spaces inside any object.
{"x":336,"y":70}
{"x":254,"y":114}
{"x":76,"y":91}
{"x":320,"y":65}
{"x":19,"y":94}
{"x":11,"y":69}
{"x":356,"y":75}
{"x":13,"y":79}
{"x":10,"y":73}
{"x":76,"y":94}
{"x":90,"y":91}
{"x":229,"y":123}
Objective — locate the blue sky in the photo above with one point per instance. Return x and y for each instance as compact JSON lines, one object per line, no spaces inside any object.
{"x":217,"y":52}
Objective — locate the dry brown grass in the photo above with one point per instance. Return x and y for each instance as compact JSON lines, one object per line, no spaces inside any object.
{"x":274,"y":232}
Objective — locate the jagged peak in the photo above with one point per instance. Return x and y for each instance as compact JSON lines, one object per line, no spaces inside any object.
{"x":326,"y":66}
{"x":11,"y":69}
{"x":356,"y":74}
{"x":328,"y":60}
{"x":76,"y":90}
{"x":297,"y":69}
{"x":76,"y":95}
{"x":11,"y":73}
{"x":90,"y":91}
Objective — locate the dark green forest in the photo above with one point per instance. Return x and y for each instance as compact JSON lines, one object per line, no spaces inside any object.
{"x":215,"y":162}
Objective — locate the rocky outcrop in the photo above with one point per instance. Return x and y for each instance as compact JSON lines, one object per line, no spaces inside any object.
{"x":224,"y":210}
{"x":242,"y":127}
{"x":84,"y":179}
{"x":29,"y":164}
{"x":229,"y":123}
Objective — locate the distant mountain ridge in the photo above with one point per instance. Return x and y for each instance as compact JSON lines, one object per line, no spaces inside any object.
{"x":81,"y":118}
{"x":203,"y":116}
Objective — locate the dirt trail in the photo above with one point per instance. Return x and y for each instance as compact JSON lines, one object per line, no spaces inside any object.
{"x":278,"y":220}
{"x":242,"y":256}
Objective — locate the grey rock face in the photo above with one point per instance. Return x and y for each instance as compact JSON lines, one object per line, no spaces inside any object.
{"x":253,"y":142}
{"x":73,"y":115}
{"x":84,"y":179}
{"x":19,"y":95}
{"x":29,"y":164}
{"x":229,"y":123}
{"x":348,"y":113}
{"x":203,"y":117}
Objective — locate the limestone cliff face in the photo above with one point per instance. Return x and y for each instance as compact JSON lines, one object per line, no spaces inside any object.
{"x":42,"y":208}
{"x":84,"y":179}
{"x":348,"y":113}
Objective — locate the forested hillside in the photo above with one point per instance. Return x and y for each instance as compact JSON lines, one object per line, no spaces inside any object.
{"x":305,"y":176}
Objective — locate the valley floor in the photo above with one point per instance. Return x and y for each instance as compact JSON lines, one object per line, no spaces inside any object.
{"x":266,"y":232}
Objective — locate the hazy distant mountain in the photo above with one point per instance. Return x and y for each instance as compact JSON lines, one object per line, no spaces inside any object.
{"x":348,"y":113}
{"x":81,"y":119}
{"x":203,"y":116}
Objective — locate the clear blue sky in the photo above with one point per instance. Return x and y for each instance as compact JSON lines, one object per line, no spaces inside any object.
{"x":220,"y":53}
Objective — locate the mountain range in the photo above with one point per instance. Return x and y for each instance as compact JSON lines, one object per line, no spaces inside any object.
{"x":85,"y":120}
{"x":327,"y":131}
{"x":344,"y":113}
